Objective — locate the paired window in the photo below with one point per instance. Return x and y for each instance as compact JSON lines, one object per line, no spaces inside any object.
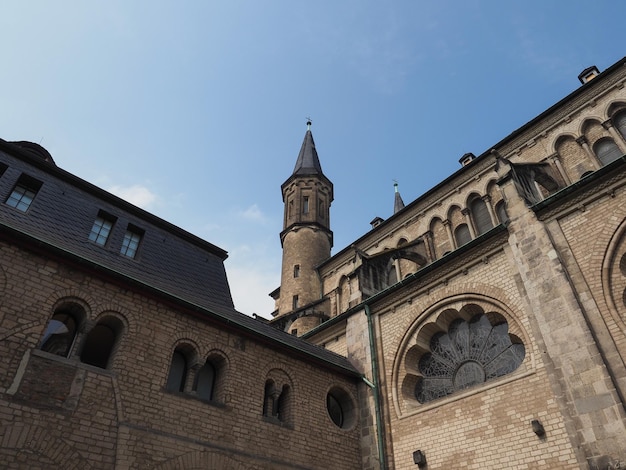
{"x":277,"y":401}
{"x":97,"y":346}
{"x":101,"y":228}
{"x":23,"y":193}
{"x":204,"y":382}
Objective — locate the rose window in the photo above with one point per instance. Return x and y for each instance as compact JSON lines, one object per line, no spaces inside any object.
{"x":470,"y":353}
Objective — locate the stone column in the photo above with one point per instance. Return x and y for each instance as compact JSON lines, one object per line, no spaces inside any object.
{"x":448,"y":225}
{"x":582,"y":141}
{"x":617,"y":137}
{"x":468,"y":220}
{"x":559,"y":166}
{"x":492,"y":213}
{"x":581,"y":382}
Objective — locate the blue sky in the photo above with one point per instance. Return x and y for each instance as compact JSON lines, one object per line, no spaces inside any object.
{"x":195,"y":110}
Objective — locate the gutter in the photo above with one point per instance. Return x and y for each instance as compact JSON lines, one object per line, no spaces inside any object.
{"x":376,"y":390}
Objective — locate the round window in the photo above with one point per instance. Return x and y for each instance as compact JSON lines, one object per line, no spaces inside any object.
{"x":340,"y":407}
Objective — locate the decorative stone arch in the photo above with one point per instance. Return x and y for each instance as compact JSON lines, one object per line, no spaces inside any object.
{"x":614,"y":107}
{"x":38,"y":441}
{"x":207,"y":459}
{"x":589,"y":124}
{"x":279,"y":404}
{"x":436,"y":320}
{"x":455,"y":215}
{"x":103,"y":338}
{"x":613,"y":273}
{"x":219,"y":360}
{"x":574,"y":154}
{"x":181,"y":364}
{"x":440,"y":238}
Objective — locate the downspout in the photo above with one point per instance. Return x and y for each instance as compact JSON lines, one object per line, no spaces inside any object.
{"x":376,"y":390}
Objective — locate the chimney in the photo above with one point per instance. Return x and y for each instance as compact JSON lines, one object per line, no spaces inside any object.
{"x":467,"y":159}
{"x":588,"y":74}
{"x":376,"y":222}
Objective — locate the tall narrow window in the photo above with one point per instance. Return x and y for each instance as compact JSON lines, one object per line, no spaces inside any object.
{"x":100,"y":342}
{"x":205,"y":381}
{"x":481,"y":216}
{"x":606,"y":150}
{"x":462,"y":235}
{"x":60,"y":333}
{"x":132,"y":237}
{"x":305,"y":205}
{"x":296,"y":270}
{"x":178,"y":373}
{"x":294,"y":302}
{"x":23,"y":193}
{"x":101,"y":228}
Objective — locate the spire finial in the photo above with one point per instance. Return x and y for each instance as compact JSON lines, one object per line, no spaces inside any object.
{"x":395,"y":185}
{"x":308,"y":123}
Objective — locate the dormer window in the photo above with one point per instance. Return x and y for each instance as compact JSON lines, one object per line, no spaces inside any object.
{"x":23,"y":193}
{"x":101,"y":228}
{"x":130,"y":244}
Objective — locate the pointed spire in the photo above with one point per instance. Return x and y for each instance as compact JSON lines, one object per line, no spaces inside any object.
{"x":398,"y":203}
{"x":308,"y":162}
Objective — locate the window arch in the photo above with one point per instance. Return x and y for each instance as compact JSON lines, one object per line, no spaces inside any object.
{"x":462,"y":235}
{"x":501,"y":212}
{"x":619,"y":121}
{"x":205,"y":381}
{"x":481,"y":216}
{"x":101,"y":341}
{"x":465,"y":343}
{"x":181,"y":363}
{"x":606,"y":150}
{"x":469,"y":353}
{"x":278,"y":398}
{"x":60,"y":333}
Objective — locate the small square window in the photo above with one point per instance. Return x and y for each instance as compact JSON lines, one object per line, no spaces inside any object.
{"x":130,"y":244}
{"x":24,"y":192}
{"x":101,"y":228}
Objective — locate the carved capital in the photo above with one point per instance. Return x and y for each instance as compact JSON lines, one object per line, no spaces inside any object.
{"x":582,"y":140}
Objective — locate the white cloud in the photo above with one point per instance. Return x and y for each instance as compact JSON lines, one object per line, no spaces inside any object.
{"x":250,"y":287}
{"x":135,"y":194}
{"x":253,"y":213}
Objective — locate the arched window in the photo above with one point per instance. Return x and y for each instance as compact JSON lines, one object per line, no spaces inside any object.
{"x":619,"y":121}
{"x":60,"y":333}
{"x":606,"y":150}
{"x":276,"y":401}
{"x":341,"y":408}
{"x":480,"y":216}
{"x":178,"y":372}
{"x":462,"y":235}
{"x":470,"y":353}
{"x":205,"y":381}
{"x":100,"y":342}
{"x":501,"y":212}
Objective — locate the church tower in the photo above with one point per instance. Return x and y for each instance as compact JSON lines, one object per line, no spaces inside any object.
{"x":306,"y":239}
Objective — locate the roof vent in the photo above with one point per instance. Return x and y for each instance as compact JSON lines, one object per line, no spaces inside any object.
{"x":376,"y":222}
{"x":467,"y":159}
{"x":588,"y":74}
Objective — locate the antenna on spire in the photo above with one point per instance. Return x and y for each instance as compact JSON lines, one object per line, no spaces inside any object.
{"x":308,"y":123}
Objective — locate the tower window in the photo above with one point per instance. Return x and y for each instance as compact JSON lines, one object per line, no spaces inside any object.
{"x":305,"y":205}
{"x":294,"y":302}
{"x":24,"y":192}
{"x":101,"y":228}
{"x":296,"y":270}
{"x":132,"y":237}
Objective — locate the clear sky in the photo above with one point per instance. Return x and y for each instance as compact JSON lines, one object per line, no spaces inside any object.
{"x":195,"y":110}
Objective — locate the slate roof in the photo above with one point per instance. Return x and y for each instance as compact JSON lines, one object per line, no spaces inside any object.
{"x":308,"y":163}
{"x":171,"y":263}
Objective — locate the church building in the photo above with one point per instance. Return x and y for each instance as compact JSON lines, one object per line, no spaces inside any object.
{"x":480,"y":326}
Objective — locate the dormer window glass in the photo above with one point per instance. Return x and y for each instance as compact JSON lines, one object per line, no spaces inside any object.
{"x":24,"y":192}
{"x":101,"y":228}
{"x":130,"y":244}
